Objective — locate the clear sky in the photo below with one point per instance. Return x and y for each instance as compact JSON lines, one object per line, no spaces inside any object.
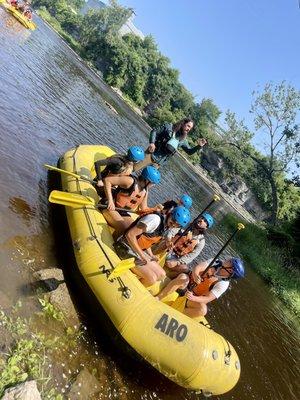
{"x":225,"y":48}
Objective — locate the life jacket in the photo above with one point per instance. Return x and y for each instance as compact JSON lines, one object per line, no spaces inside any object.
{"x":129,"y":198}
{"x":146,"y":240}
{"x":207,"y":283}
{"x":184,"y":245}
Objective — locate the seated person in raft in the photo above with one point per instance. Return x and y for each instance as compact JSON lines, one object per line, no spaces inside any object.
{"x":13,"y":3}
{"x":204,"y":284}
{"x":184,"y":249}
{"x":128,"y":192}
{"x":138,"y":239}
{"x":185,"y":200}
{"x":117,"y":164}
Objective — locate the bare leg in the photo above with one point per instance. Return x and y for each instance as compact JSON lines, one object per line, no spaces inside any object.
{"x":118,"y":222}
{"x":149,"y":273}
{"x":195,"y":310}
{"x":174,"y":268}
{"x":180,"y":282}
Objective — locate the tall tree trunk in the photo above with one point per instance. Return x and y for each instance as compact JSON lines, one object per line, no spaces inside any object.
{"x":274,"y":200}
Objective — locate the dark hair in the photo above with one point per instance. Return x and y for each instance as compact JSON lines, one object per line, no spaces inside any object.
{"x":179,"y":124}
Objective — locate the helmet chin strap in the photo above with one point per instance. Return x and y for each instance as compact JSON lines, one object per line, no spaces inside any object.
{"x":217,"y":275}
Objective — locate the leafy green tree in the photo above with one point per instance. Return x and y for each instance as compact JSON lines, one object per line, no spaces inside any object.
{"x":274,"y":111}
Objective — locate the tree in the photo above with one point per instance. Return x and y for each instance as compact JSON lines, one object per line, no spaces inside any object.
{"x":274,"y":110}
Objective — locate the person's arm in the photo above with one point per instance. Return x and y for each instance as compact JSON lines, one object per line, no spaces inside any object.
{"x":98,"y":164}
{"x":132,"y":236}
{"x":191,"y":150}
{"x":121,"y":181}
{"x":200,"y":299}
{"x":198,"y":269}
{"x":193,"y":254}
{"x":144,"y":205}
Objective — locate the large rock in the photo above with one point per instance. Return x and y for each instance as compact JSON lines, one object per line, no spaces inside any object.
{"x":59,"y":295}
{"x":233,"y":186}
{"x":61,"y":299}
{"x":212,"y":162}
{"x":25,"y":391}
{"x":49,"y":273}
{"x":84,"y":386}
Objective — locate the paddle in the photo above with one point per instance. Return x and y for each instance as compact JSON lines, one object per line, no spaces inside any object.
{"x":70,"y":199}
{"x":63,"y":171}
{"x":189,"y":227}
{"x":122,"y":267}
{"x":75,"y":200}
{"x":180,"y":302}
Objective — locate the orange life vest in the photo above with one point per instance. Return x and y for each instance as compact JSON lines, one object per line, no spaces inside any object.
{"x":146,"y":240}
{"x":207,"y":283}
{"x":184,"y":245}
{"x":130,"y":198}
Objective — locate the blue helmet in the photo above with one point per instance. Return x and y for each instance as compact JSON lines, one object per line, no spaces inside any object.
{"x":151,"y":174}
{"x":181,"y":215}
{"x":186,"y":200}
{"x":238,"y":268}
{"x":135,"y":153}
{"x":208,"y":218}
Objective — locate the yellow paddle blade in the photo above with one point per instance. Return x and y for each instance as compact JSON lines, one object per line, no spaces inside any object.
{"x":179,"y":303}
{"x":70,"y":199}
{"x":162,"y":258}
{"x":122,"y":267}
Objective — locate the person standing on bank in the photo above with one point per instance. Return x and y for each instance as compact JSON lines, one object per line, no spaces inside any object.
{"x":166,"y":140}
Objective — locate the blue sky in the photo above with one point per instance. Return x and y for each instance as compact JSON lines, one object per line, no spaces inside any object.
{"x":225,"y":48}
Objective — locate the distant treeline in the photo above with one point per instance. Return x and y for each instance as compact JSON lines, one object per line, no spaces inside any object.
{"x":146,"y":77}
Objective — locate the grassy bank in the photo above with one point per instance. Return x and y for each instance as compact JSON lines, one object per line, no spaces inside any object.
{"x":45,"y":15}
{"x":272,"y":262}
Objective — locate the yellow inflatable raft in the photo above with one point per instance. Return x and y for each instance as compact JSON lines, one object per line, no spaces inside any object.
{"x":18,"y":15}
{"x":184,"y":350}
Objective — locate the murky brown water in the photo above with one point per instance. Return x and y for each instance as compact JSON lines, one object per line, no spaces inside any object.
{"x":49,"y":102}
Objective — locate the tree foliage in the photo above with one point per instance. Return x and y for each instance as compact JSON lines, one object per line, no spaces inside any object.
{"x":146,"y":76}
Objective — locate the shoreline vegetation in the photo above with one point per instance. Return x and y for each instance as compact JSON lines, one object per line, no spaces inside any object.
{"x":273,"y":260}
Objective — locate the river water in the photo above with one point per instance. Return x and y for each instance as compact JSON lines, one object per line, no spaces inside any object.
{"x":49,"y":102}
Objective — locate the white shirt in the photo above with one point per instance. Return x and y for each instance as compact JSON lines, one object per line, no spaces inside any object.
{"x":151,"y":221}
{"x":219,"y":288}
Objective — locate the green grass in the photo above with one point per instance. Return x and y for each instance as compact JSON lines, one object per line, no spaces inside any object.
{"x":271,"y":262}
{"x":34,"y":347}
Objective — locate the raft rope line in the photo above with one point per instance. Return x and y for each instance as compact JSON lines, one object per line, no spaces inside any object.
{"x":228,"y":352}
{"x":125,"y":290}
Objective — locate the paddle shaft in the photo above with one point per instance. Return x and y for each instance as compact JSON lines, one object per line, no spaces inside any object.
{"x":216,"y":198}
{"x":104,"y":206}
{"x":63,"y":171}
{"x":240,"y":226}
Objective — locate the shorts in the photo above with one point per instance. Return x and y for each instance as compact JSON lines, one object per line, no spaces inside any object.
{"x":174,"y":257}
{"x":124,"y":252}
